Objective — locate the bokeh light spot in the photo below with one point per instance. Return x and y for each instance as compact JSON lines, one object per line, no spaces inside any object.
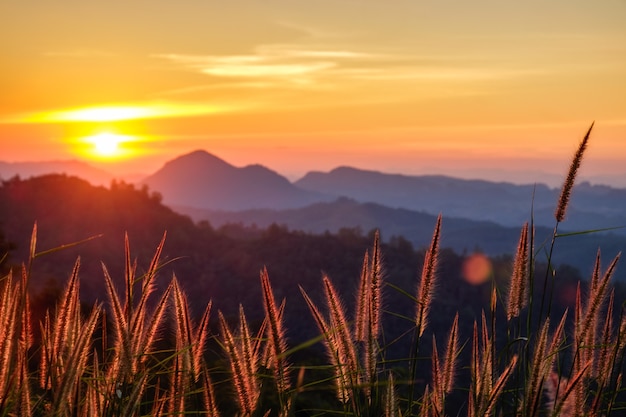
{"x":477,"y":269}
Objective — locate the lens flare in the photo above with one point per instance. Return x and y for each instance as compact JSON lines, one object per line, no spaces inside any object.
{"x":477,"y":269}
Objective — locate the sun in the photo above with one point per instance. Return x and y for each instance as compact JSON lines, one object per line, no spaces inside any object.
{"x":106,"y":144}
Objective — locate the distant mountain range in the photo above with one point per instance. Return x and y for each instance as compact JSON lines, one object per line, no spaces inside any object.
{"x":202,"y":181}
{"x":592,"y":206}
{"x":200,"y":184}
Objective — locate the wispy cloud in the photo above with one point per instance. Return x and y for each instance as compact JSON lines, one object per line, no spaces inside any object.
{"x":114,"y":112}
{"x":295,"y":65}
{"x":249,"y":66}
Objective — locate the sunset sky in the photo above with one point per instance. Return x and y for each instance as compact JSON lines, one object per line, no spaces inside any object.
{"x":460,"y":87}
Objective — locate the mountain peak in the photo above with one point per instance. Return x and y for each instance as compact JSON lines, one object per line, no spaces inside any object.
{"x":199,"y":157}
{"x":200,"y":179}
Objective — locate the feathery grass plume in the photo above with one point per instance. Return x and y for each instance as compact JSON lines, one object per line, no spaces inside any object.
{"x":147,"y":287}
{"x":437,"y":380}
{"x":276,"y":336}
{"x":145,"y":334}
{"x":25,"y":327}
{"x":189,"y":344}
{"x":46,"y":352}
{"x":543,"y":358}
{"x":96,"y":388}
{"x":595,"y":276}
{"x":590,"y":338}
{"x":484,"y":392}
{"x":66,"y":315}
{"x":183,"y":328}
{"x":557,"y":341}
{"x":64,"y":393}
{"x":590,"y":321}
{"x":208,"y":395}
{"x":334,"y":350}
{"x":427,"y":282}
{"x":374,"y":327}
{"x":59,"y":339}
{"x":8,"y":327}
{"x":259,"y":341}
{"x":498,"y":387}
{"x":450,"y":356}
{"x":538,"y":371}
{"x":24,"y":343}
{"x":487,"y":350}
{"x":391,"y":403}
{"x":362,"y":302}
{"x":247,"y":400}
{"x":248,"y":354}
{"x":566,"y":190}
{"x":559,"y":400}
{"x":200,"y":338}
{"x":123,"y":345}
{"x":177,"y":389}
{"x":604,"y":367}
{"x":518,"y":289}
{"x":375,"y":292}
{"x":339,"y":326}
{"x":23,"y":386}
{"x":426,"y":406}
{"x":129,"y":279}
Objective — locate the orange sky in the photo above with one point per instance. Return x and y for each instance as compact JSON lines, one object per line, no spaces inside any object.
{"x":465,"y":88}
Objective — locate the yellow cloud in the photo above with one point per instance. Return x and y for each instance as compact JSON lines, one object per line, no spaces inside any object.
{"x":111,"y":113}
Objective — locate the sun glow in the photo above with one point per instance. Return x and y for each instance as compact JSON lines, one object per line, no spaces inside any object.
{"x":107,"y":144}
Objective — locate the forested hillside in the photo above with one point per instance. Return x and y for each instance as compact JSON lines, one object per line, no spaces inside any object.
{"x":221,"y":264}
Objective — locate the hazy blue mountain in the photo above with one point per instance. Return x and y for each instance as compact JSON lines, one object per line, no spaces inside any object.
{"x":460,"y":234}
{"x":592,"y":207}
{"x":76,"y":168}
{"x":202,"y":180}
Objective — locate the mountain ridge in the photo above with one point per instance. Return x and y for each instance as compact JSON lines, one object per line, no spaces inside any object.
{"x":200,"y":179}
{"x":203,"y":181}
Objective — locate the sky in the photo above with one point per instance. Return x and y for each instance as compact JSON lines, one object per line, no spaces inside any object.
{"x":492,"y":89}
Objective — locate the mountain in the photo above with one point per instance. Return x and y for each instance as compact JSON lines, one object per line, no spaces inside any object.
{"x":76,"y":168}
{"x":461,"y":235}
{"x":592,"y":206}
{"x":202,"y":180}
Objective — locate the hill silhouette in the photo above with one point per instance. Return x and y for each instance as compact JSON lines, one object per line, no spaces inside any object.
{"x":593,"y":206}
{"x":80,"y":169}
{"x":202,"y":180}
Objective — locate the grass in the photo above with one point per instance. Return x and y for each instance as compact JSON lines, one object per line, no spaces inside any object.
{"x":570,"y":365}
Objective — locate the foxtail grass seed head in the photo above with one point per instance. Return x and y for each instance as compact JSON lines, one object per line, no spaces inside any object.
{"x":275,"y":334}
{"x":376,"y":288}
{"x":566,"y":190}
{"x":245,"y":397}
{"x":427,"y":283}
{"x":518,"y":297}
{"x":362,"y":302}
{"x":450,"y":356}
